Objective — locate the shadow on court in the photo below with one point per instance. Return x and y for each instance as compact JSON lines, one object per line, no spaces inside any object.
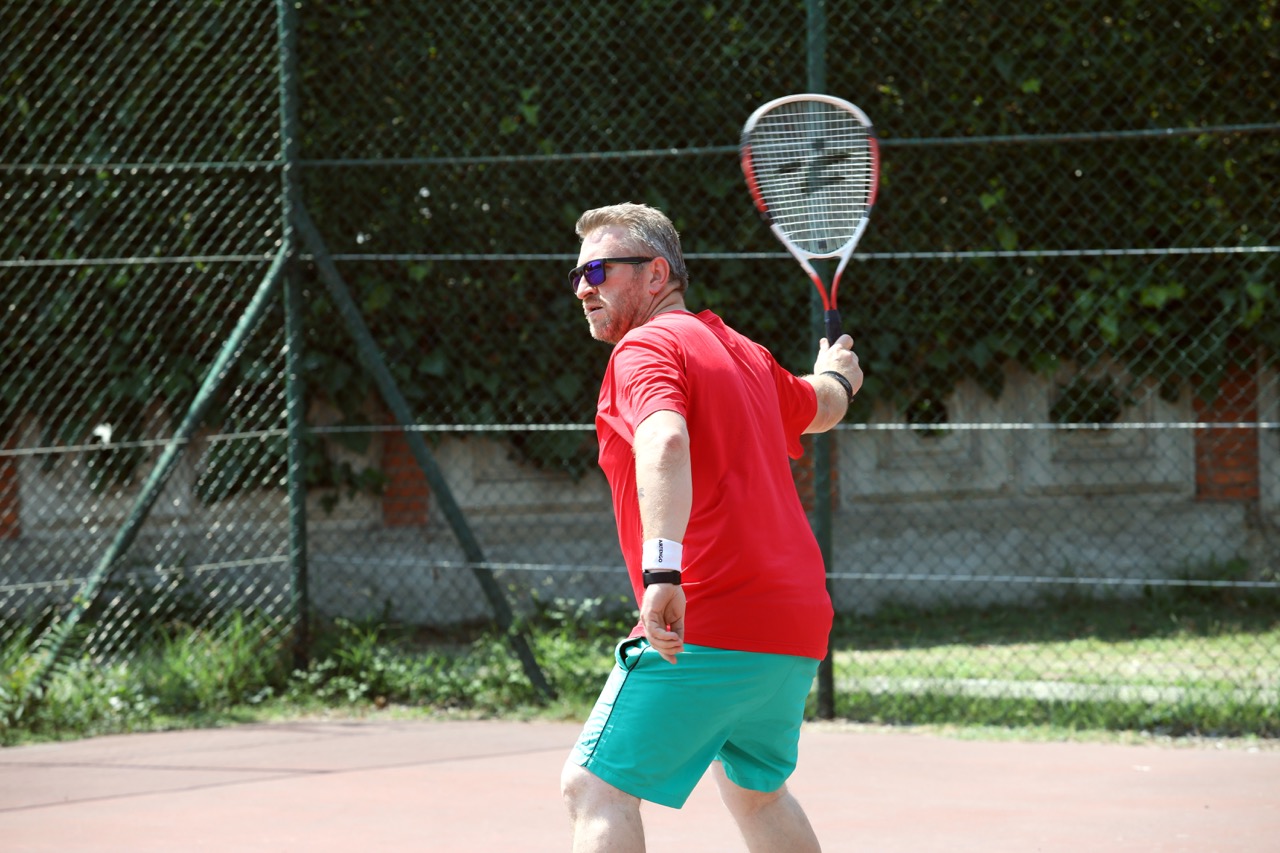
{"x":493,"y":786}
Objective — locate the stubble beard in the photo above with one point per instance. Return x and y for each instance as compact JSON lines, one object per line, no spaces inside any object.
{"x":601,"y":323}
{"x":612,"y":322}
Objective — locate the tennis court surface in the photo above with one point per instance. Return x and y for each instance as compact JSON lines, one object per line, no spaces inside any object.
{"x":493,"y":786}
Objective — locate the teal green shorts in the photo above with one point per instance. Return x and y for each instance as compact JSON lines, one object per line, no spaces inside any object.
{"x":656,"y":727}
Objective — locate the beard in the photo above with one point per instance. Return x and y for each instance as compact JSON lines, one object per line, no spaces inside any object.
{"x":617,"y":316}
{"x":606,"y":327}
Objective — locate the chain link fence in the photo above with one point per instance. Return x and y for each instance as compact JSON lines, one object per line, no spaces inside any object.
{"x":285,"y":332}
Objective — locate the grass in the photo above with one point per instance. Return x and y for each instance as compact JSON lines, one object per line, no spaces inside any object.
{"x":1178,"y":662}
{"x":1218,"y":664}
{"x":1174,"y":664}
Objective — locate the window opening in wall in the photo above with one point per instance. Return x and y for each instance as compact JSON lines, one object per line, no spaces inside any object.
{"x":1087,"y":400}
{"x":926,"y":412}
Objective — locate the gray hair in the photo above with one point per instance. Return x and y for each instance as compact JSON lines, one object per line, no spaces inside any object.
{"x":647,"y":226}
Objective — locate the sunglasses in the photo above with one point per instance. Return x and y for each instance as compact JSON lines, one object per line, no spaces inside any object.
{"x":594,"y":271}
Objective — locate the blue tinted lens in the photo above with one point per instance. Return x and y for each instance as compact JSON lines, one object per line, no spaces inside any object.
{"x":593,"y":270}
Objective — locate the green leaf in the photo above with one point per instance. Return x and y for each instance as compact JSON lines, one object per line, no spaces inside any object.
{"x":1007,"y":237}
{"x":433,"y":363}
{"x":1159,"y":295}
{"x":378,"y":297}
{"x":1109,"y":328}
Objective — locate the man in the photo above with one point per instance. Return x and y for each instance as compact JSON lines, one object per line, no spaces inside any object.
{"x":695,"y":424}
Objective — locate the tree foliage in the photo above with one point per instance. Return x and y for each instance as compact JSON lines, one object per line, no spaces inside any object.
{"x":1056,"y":177}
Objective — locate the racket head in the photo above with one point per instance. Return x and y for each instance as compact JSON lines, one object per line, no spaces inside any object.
{"x":812,"y":164}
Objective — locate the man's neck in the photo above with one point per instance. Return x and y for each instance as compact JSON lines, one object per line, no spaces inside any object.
{"x":673,"y":301}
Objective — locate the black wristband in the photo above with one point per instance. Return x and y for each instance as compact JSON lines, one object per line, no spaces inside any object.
{"x":845,"y":383}
{"x":666,"y":576}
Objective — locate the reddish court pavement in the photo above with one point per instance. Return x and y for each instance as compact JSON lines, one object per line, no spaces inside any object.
{"x":484,"y":786}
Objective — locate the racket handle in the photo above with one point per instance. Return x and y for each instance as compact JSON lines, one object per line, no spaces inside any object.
{"x":832,"y":319}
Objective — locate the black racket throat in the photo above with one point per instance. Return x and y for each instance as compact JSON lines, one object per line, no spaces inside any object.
{"x":831,"y":320}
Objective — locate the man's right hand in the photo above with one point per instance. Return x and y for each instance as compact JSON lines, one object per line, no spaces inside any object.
{"x":662,"y":615}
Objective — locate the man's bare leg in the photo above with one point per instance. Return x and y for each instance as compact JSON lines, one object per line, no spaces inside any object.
{"x":605,"y":820}
{"x":770,"y":822}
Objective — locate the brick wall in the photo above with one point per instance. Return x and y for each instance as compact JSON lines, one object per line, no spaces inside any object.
{"x":1227,"y":460}
{"x":406,"y":496}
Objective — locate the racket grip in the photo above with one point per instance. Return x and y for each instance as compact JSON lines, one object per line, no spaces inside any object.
{"x":832,"y":320}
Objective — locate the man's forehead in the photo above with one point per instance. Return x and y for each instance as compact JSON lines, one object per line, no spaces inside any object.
{"x":605,"y":238}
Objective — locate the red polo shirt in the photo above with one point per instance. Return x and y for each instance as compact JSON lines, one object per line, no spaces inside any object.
{"x":753,"y":572}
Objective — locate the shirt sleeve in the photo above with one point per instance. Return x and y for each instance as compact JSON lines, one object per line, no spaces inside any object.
{"x":798,"y":405}
{"x":649,"y":376}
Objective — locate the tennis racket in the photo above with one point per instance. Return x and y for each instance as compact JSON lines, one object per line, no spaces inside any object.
{"x":812,"y":163}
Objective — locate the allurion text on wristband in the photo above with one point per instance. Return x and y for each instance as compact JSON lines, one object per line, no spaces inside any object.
{"x":661,"y":561}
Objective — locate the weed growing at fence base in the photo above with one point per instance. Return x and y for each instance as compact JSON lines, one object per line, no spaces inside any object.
{"x":1170,"y":664}
{"x":236,"y":669}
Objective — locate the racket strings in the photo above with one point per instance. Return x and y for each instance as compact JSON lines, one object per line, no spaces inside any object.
{"x":816,"y":172}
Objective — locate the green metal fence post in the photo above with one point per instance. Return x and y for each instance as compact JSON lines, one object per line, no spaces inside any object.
{"x":823,"y":443}
{"x":295,"y":388}
{"x":295,"y":407}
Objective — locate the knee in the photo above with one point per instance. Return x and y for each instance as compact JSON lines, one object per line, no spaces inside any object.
{"x":570,"y":785}
{"x":586,"y":794}
{"x":577,"y":788}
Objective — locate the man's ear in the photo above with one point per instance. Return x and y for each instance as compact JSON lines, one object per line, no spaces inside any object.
{"x":659,"y":275}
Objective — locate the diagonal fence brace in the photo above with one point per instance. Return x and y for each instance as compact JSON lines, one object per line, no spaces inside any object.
{"x":377,"y":365}
{"x":50,"y":646}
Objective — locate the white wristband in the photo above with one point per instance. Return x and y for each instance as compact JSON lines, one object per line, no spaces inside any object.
{"x":662,"y":554}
